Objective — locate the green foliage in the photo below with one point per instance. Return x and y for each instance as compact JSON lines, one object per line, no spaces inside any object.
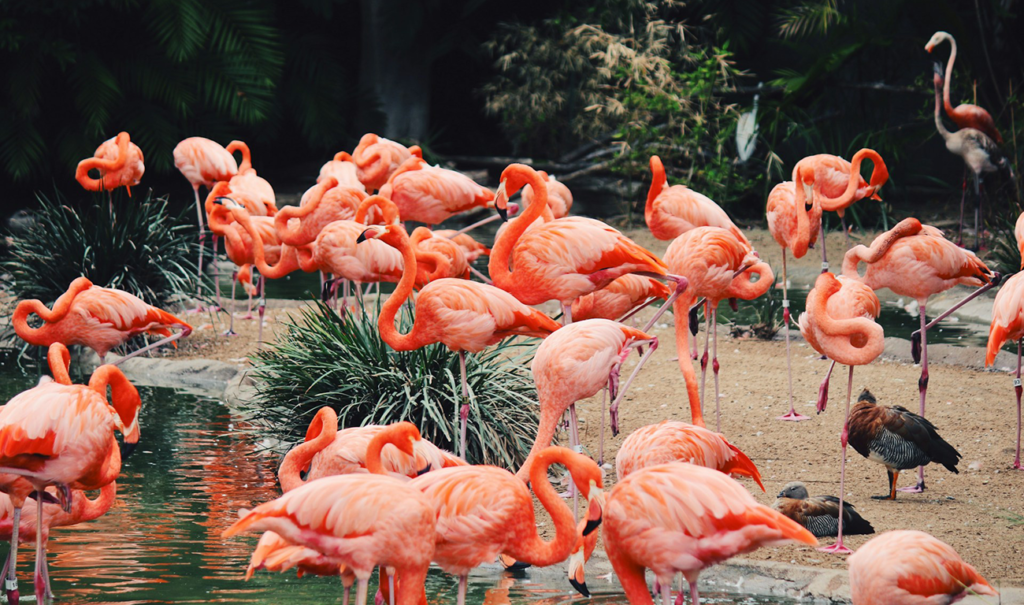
{"x":1004,"y":256}
{"x":341,"y":361}
{"x":142,"y":248}
{"x":760,"y":318}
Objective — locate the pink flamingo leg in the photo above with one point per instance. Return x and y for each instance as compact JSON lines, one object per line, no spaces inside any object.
{"x":566,"y":315}
{"x":202,"y":240}
{"x":40,"y":583}
{"x":574,"y":444}
{"x":704,"y":358}
{"x":362,"y":588}
{"x":11,"y":578}
{"x":464,"y":410}
{"x":463,"y":581}
{"x":482,"y":277}
{"x":792,"y":414}
{"x":618,"y":394}
{"x":922,"y":386}
{"x":185,"y":331}
{"x":681,"y":285}
{"x":1017,"y":389}
{"x":824,"y":240}
{"x":262,"y":307}
{"x":838,"y":547}
{"x":604,"y":409}
{"x":231,"y":324}
{"x":714,"y":368}
{"x":216,"y":270}
{"x":248,"y":310}
{"x":823,"y":389}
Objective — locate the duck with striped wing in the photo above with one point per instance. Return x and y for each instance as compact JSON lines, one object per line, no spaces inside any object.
{"x":898,"y":438}
{"x":819,"y":514}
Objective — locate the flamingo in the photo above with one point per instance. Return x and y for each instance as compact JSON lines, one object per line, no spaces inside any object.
{"x":564,"y":258}
{"x":119,"y":163}
{"x":914,"y":260}
{"x":98,"y":318}
{"x":63,"y":435}
{"x":559,"y":196}
{"x":1008,"y":324}
{"x":327,"y":451}
{"x":840,"y":323}
{"x":978,"y":151}
{"x":431,"y":194}
{"x":248,"y":184}
{"x":671,"y":212}
{"x":470,"y":246}
{"x":377,"y":158}
{"x":299,"y":225}
{"x":274,"y":553}
{"x":678,"y":517}
{"x":654,"y":444}
{"x":718,"y":265}
{"x":963,"y":115}
{"x":907,"y":567}
{"x":621,"y":298}
{"x":462,"y":315}
{"x":484,"y":511}
{"x":835,"y":184}
{"x":575,"y":363}
{"x":344,"y":170}
{"x":423,"y":239}
{"x":203,"y":162}
{"x":819,"y":514}
{"x":784,"y":225}
{"x":358,"y":521}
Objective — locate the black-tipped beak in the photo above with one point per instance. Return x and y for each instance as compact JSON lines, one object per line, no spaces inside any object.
{"x":127,"y":449}
{"x":47,"y":497}
{"x":220,"y":200}
{"x":592,"y":524}
{"x":518,"y":566}
{"x":503,"y":213}
{"x":362,"y":238}
{"x":423,"y":471}
{"x":581,"y":587}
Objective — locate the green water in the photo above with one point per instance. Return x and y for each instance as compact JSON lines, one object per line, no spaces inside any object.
{"x":160,"y":543}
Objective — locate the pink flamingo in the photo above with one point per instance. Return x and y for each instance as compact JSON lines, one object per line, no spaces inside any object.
{"x":671,"y":212}
{"x":321,"y":205}
{"x":1008,"y":324}
{"x":908,"y":567}
{"x":377,"y":158}
{"x":274,"y":553}
{"x":784,"y":223}
{"x":470,"y":246}
{"x":917,"y":261}
{"x":620,"y":299}
{"x":431,"y":194}
{"x":98,"y":318}
{"x":249,"y":185}
{"x":119,"y":163}
{"x":718,"y":266}
{"x":344,"y":170}
{"x":358,"y":521}
{"x":423,"y":239}
{"x":678,"y":517}
{"x":464,"y":316}
{"x":559,"y":196}
{"x":840,"y":323}
{"x":964,"y":115}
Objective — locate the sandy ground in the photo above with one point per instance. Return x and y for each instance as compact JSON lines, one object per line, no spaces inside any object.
{"x":980,"y":511}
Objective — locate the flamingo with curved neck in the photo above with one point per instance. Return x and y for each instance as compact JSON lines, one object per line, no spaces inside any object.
{"x":251,"y":187}
{"x":964,"y":115}
{"x":672,"y":211}
{"x":119,"y":163}
{"x":463,"y":315}
{"x":327,"y":202}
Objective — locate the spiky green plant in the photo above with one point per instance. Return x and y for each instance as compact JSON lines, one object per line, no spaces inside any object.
{"x":1004,"y":255}
{"x":143,"y":248}
{"x":324,"y":358}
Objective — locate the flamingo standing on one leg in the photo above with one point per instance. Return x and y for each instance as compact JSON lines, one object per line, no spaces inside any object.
{"x":431,"y":194}
{"x":98,"y":318}
{"x":119,"y":163}
{"x":964,"y":115}
{"x":784,"y":222}
{"x":840,"y":323}
{"x":203,"y":162}
{"x":358,"y":521}
{"x":463,"y":315}
{"x":485,"y":511}
{"x":718,"y":265}
{"x":678,"y":517}
{"x":1008,"y":324}
{"x":914,"y":260}
{"x":907,"y":567}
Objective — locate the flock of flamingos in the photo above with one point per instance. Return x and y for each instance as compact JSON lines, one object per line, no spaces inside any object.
{"x":381,"y":496}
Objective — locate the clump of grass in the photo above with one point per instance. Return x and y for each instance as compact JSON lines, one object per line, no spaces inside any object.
{"x":340,"y":360}
{"x":1004,"y":256}
{"x":141,"y":248}
{"x":760,"y":318}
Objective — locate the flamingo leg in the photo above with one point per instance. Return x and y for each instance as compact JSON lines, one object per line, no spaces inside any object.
{"x":681,"y":285}
{"x":694,"y":596}
{"x":464,"y":410}
{"x":922,"y":386}
{"x":463,"y":582}
{"x":704,"y":358}
{"x":574,"y":444}
{"x":824,"y":242}
{"x":695,"y":326}
{"x":48,"y":591}
{"x":185,"y":331}
{"x":40,"y":553}
{"x":391,"y":587}
{"x":823,"y":389}
{"x":604,"y":409}
{"x":362,"y":587}
{"x":792,"y":414}
{"x":482,"y":277}
{"x":566,"y":315}
{"x":666,"y":593}
{"x":479,"y":223}
{"x":11,"y":578}
{"x":345,"y":292}
{"x":846,"y":233}
{"x":261,"y":309}
{"x":838,"y":547}
{"x":216,"y":269}
{"x":714,"y":367}
{"x":231,"y":324}
{"x":202,"y":239}
{"x":248,"y":310}
{"x":1017,"y":389}
{"x":915,"y":338}
{"x":618,"y":394}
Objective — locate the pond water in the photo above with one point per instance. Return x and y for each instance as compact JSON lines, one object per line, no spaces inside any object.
{"x":160,"y":543}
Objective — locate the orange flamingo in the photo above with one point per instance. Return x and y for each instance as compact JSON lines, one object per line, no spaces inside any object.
{"x":835,"y":184}
{"x":203,"y":162}
{"x":718,"y":265}
{"x":1008,"y":324}
{"x":575,"y":363}
{"x":431,"y":194}
{"x":470,"y":246}
{"x":299,"y":225}
{"x":559,"y":196}
{"x":344,"y":170}
{"x":276,"y":554}
{"x":119,"y":163}
{"x":377,"y":158}
{"x":620,"y":299}
{"x":917,"y":261}
{"x":484,"y":511}
{"x":98,"y":318}
{"x":784,"y":224}
{"x":251,"y":186}
{"x":908,"y":567}
{"x":424,"y":240}
{"x":464,"y":316}
{"x":358,"y":521}
{"x":678,"y":517}
{"x":963,"y":115}
{"x":561,"y":259}
{"x":654,"y":444}
{"x":671,"y":212}
{"x":840,"y":323}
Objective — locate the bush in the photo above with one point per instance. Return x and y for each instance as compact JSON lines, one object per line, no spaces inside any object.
{"x":341,"y":361}
{"x":142,"y":249}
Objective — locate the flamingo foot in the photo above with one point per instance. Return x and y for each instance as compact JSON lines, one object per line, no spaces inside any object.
{"x":1017,"y":466}
{"x":836,"y":549}
{"x":229,"y":332}
{"x":40,"y":586}
{"x":247,"y":316}
{"x":793,"y":416}
{"x":11,"y":587}
{"x":913,"y":489}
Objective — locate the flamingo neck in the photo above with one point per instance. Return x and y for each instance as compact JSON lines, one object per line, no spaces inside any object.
{"x":321,"y":433}
{"x":518,"y":175}
{"x":124,"y":398}
{"x":393,"y":435}
{"x":801,"y":242}
{"x":658,"y":180}
{"x":41,"y":336}
{"x":681,"y":309}
{"x":549,"y":553}
{"x":939,"y":126}
{"x":949,"y":76}
{"x":386,"y":321}
{"x":285,"y":265}
{"x":94,"y":509}
{"x":551,"y":412}
{"x":847,"y":197}
{"x":59,"y":360}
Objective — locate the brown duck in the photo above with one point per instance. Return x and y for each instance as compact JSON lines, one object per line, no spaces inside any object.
{"x":819,"y":514}
{"x":897,"y":438}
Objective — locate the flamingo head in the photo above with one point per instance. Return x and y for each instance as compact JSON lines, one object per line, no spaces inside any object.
{"x":392,"y":234}
{"x":404,"y":436}
{"x":577,"y":576}
{"x":936,"y":39}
